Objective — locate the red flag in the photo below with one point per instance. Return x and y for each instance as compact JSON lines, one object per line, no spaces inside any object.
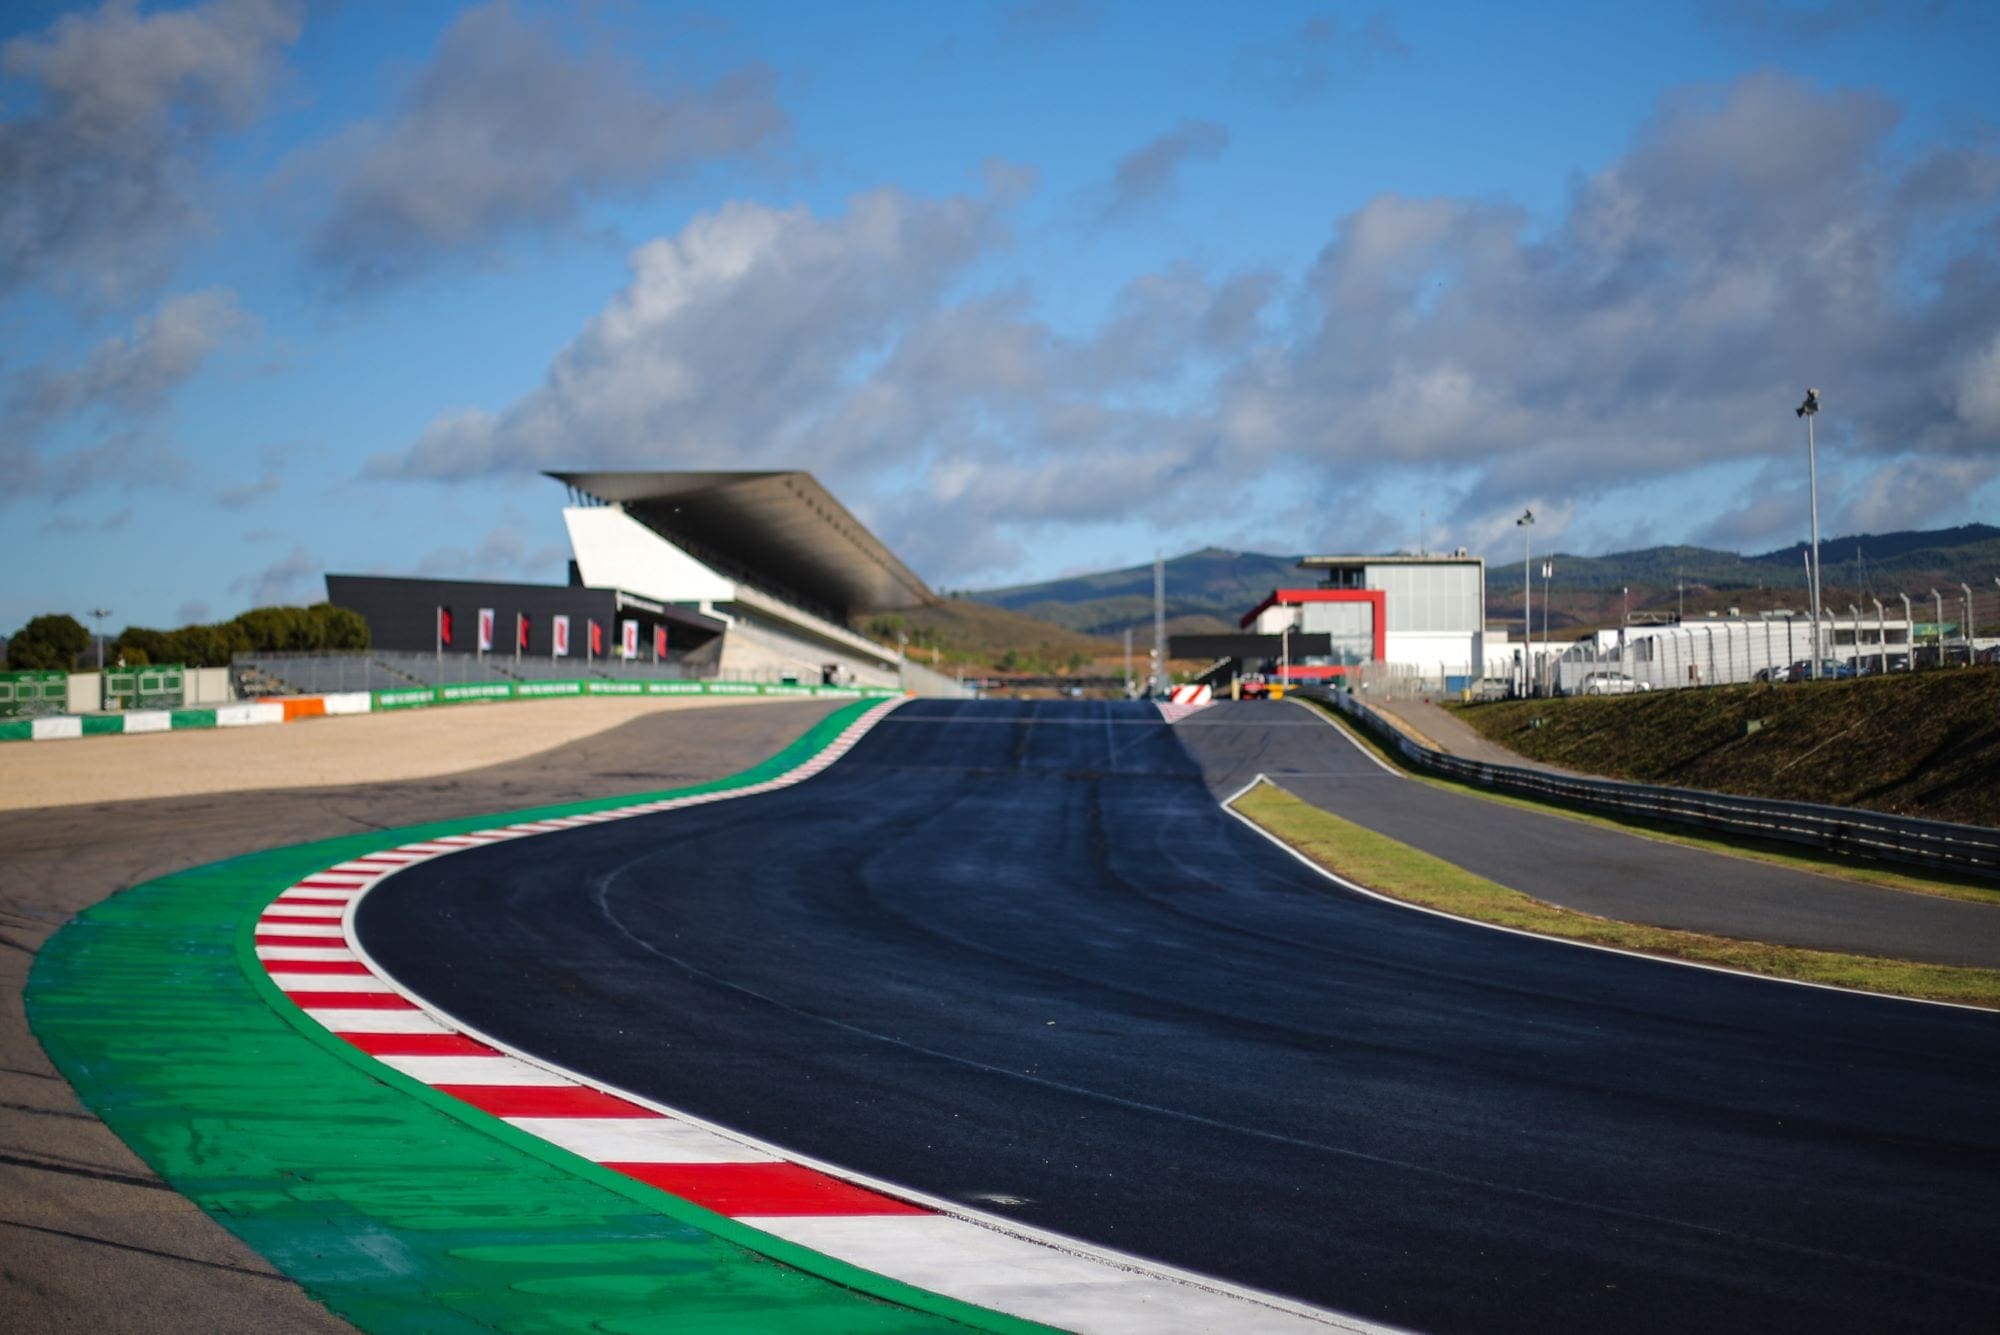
{"x":444,"y":625}
{"x":597,"y":639}
{"x":559,"y":632}
{"x":521,"y":629}
{"x":659,"y":644}
{"x":485,"y":628}
{"x":629,"y":648}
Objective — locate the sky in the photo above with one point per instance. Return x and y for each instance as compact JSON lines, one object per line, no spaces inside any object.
{"x":1035,"y":288}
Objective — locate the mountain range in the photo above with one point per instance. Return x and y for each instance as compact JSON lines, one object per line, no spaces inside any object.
{"x":1212,"y":588}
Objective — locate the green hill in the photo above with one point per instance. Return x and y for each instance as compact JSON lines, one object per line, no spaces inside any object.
{"x":1208,"y":590}
{"x":1917,"y":744}
{"x":1211,"y":589}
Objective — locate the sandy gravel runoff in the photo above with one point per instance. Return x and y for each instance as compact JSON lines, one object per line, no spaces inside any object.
{"x":90,"y":1239}
{"x":309,"y":753}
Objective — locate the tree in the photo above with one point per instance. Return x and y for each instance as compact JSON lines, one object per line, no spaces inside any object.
{"x":277,"y":630}
{"x":140,"y":645}
{"x":49,"y":642}
{"x":206,"y":646}
{"x":338,"y":627}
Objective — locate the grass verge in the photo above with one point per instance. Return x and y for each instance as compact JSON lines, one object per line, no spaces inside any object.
{"x":1793,"y":856}
{"x":1395,"y":869}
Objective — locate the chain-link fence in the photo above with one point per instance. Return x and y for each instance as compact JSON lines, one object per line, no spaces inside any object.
{"x":1908,"y":634}
{"x":1940,"y":627}
{"x":323,"y":673}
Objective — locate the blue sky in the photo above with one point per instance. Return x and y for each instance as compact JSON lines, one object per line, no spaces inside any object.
{"x":1035,"y":287}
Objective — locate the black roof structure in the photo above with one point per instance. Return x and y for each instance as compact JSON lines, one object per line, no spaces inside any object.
{"x":780,"y":530}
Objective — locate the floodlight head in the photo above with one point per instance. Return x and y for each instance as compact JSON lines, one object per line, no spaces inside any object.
{"x":1527,"y":517}
{"x":1811,"y":405}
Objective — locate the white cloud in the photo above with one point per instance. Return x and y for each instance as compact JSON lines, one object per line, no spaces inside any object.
{"x":512,"y":128}
{"x":112,"y":396}
{"x":99,"y":183}
{"x":1758,"y":237}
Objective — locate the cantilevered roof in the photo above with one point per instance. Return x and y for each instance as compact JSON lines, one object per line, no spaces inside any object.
{"x":781,"y":532}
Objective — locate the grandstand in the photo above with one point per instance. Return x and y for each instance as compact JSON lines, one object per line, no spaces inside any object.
{"x":748,"y":576}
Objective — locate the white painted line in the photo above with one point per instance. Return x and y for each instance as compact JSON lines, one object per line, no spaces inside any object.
{"x":640,"y":1140}
{"x":149,"y":720}
{"x":1347,"y":737}
{"x":1071,"y":1290}
{"x":1358,"y":889}
{"x":282,"y":909}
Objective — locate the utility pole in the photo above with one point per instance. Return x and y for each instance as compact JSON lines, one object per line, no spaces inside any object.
{"x":1966,"y":633}
{"x":1159,"y":622}
{"x":1525,"y":523}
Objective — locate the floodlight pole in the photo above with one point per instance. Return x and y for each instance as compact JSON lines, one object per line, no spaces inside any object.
{"x":1159,"y":623}
{"x":1881,"y":636}
{"x":100,"y":613}
{"x":1909,"y":634}
{"x":1966,"y":632}
{"x":1938,"y":598}
{"x":1524,"y":523}
{"x":1809,"y":410}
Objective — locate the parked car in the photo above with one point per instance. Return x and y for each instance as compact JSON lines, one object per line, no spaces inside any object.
{"x":1612,"y":683}
{"x":1830,"y":669}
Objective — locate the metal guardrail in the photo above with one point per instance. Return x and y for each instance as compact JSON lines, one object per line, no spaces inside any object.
{"x":1852,"y":831}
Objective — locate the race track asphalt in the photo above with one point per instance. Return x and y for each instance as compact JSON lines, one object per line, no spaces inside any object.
{"x":1578,"y":865}
{"x":1014,"y":952}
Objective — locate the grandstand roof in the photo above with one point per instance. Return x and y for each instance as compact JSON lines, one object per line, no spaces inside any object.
{"x":781,"y":531}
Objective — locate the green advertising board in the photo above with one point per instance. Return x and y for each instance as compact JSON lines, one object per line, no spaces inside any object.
{"x":155,"y":686}
{"x":24,"y":694}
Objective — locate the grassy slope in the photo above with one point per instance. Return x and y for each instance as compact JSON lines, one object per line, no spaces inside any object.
{"x":1395,"y":869}
{"x":1926,"y":744}
{"x":975,"y":635}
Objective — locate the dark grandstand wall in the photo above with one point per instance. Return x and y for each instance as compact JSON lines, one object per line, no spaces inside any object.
{"x":402,"y":615}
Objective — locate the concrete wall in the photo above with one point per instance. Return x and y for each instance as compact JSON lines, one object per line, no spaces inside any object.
{"x":752,"y":651}
{"x":209,"y":686}
{"x":920,"y":680}
{"x":86,"y":693}
{"x":202,"y":686}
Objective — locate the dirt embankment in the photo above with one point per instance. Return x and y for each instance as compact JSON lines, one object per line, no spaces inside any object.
{"x":1924,"y":744}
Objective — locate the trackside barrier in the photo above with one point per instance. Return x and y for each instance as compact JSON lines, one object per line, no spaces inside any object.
{"x":419,"y":697}
{"x":1851,"y":831}
{"x":27,"y":693}
{"x":362,"y":702}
